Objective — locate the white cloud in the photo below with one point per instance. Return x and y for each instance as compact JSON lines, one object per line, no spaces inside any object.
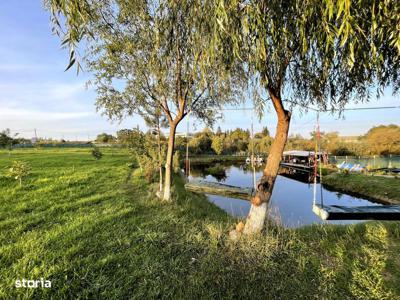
{"x":10,"y":68}
{"x":36,"y":115}
{"x":47,"y":96}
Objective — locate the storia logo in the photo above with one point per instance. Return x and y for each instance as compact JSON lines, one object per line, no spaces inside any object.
{"x":28,"y":283}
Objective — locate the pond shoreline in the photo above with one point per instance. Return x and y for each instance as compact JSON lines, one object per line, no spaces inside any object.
{"x":375,"y":188}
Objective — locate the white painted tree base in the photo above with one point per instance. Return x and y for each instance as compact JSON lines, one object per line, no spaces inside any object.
{"x":256,"y":218}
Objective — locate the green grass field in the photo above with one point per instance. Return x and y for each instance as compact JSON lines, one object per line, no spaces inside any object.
{"x":96,"y":231}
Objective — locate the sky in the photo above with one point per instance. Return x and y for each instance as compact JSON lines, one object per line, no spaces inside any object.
{"x":36,"y":92}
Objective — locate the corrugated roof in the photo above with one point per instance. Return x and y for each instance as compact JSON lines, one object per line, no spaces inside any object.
{"x":300,"y":153}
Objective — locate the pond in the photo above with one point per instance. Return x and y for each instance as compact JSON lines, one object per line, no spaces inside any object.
{"x":291,"y":202}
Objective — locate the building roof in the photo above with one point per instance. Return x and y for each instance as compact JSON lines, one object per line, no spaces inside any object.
{"x":300,"y":153}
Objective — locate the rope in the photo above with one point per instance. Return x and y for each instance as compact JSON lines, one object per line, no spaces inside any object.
{"x":187,"y":147}
{"x":315,"y":162}
{"x":252,"y":150}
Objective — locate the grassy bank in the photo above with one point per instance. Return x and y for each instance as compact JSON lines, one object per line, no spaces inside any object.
{"x":381,"y":189}
{"x":206,"y":159}
{"x":96,"y":231}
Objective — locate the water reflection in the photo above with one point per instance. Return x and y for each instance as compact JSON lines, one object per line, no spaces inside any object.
{"x":291,"y":200}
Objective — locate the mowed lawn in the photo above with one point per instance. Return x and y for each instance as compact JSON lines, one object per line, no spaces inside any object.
{"x":95,"y":229}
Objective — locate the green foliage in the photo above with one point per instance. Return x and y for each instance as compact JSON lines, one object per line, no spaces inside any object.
{"x":157,"y":49}
{"x":149,"y":168}
{"x":5,"y":138}
{"x":144,"y":148}
{"x":19,"y":170}
{"x":176,"y":163}
{"x":200,"y":143}
{"x":384,"y":139}
{"x":7,"y":141}
{"x":218,"y":144}
{"x":323,"y":53}
{"x":263,"y":144}
{"x":124,"y":136}
{"x":148,"y":58}
{"x":229,"y":142}
{"x":105,"y":138}
{"x":96,"y":153}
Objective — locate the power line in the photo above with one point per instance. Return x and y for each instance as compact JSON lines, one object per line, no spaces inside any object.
{"x":368,"y":108}
{"x":344,"y":109}
{"x":315,"y":109}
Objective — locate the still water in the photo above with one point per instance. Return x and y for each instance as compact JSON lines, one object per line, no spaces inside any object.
{"x":291,"y":202}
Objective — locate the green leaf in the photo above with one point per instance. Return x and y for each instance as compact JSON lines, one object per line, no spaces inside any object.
{"x":71,"y":63}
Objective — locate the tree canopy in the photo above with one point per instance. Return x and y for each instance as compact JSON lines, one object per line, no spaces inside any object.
{"x":325,"y":53}
{"x":147,"y":56}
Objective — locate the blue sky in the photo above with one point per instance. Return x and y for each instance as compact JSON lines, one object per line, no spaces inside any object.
{"x":35,"y":92}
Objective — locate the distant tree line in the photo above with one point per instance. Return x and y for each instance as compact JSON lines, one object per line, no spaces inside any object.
{"x":237,"y":141}
{"x":379,"y":140}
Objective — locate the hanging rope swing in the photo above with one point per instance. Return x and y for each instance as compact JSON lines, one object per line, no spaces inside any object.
{"x":337,"y":212}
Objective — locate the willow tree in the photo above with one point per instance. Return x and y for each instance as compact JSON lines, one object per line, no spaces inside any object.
{"x":310,"y":53}
{"x":145,"y":54}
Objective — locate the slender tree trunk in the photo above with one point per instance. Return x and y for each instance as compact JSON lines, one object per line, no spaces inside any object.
{"x":159,"y":156}
{"x":168,"y":163}
{"x":256,"y":218}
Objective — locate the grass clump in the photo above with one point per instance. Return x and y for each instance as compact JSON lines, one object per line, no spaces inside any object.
{"x":96,"y":153}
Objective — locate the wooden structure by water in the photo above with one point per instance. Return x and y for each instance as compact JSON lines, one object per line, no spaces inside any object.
{"x":297,"y":167}
{"x":373,"y":212}
{"x":215,"y":188}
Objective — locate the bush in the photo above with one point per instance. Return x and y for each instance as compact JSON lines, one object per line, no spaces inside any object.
{"x":96,"y":153}
{"x":18,"y":170}
{"x":150,"y":169}
{"x":176,"y":162}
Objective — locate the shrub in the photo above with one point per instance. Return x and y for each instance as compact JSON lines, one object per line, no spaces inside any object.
{"x":18,"y":170}
{"x":176,"y":161}
{"x":96,"y":153}
{"x":150,"y":169}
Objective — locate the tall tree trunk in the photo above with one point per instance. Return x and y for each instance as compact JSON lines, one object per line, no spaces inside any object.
{"x":168,"y":164}
{"x":159,"y":156}
{"x":256,"y":218}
